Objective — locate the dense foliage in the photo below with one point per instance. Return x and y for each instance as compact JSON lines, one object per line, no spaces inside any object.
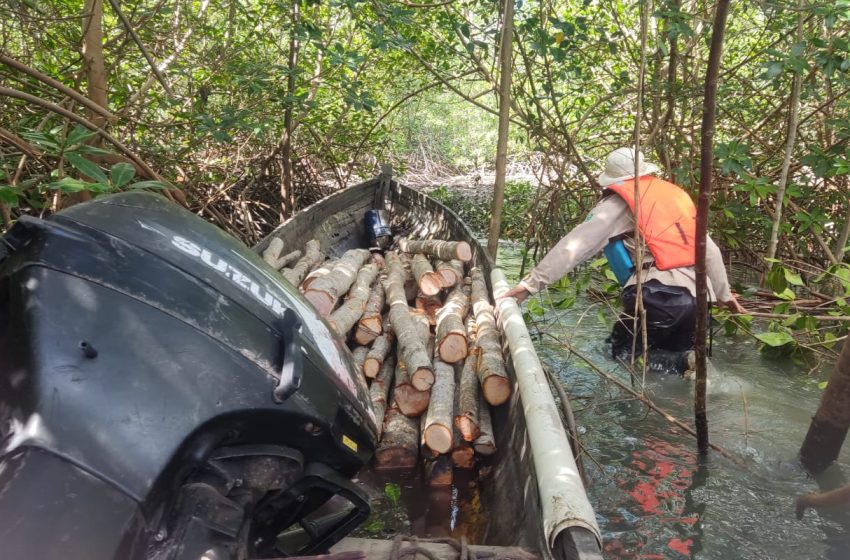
{"x":247,"y":110}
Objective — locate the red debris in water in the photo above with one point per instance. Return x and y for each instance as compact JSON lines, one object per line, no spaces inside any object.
{"x":681,"y":546}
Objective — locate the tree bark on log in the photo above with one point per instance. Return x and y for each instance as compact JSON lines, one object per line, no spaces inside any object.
{"x":411,"y":349}
{"x":399,"y":445}
{"x":380,"y":350}
{"x":371,"y":323}
{"x":379,"y":392}
{"x":485,"y":444}
{"x":495,"y":384}
{"x":324,"y":292}
{"x":450,"y":272}
{"x":831,"y":422}
{"x":317,"y":271}
{"x":466,"y":415}
{"x":359,"y":354}
{"x":452,"y":346}
{"x":272,"y":254}
{"x":428,"y":282}
{"x":463,"y":454}
{"x":312,"y":256}
{"x":429,"y":305}
{"x":438,"y":421}
{"x":349,"y":313}
{"x":443,"y":250}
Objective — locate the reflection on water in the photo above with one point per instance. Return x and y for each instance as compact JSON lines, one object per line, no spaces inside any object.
{"x":654,"y":496}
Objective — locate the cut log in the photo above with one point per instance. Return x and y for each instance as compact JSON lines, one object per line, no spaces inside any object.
{"x":312,"y":256}
{"x":411,"y":288}
{"x":443,"y":250}
{"x":439,"y":472}
{"x":351,"y":310}
{"x":380,"y":350}
{"x":485,"y":444}
{"x":272,"y":254}
{"x":409,"y":400}
{"x":379,"y":391}
{"x":451,"y":332}
{"x":450,"y":272}
{"x":463,"y":454}
{"x":359,"y":354}
{"x":429,"y":305}
{"x":466,"y":414}
{"x":429,"y":282}
{"x":495,"y":384}
{"x":437,"y":430}
{"x":411,"y":349}
{"x":318,"y":271}
{"x":324,"y":292}
{"x":399,"y":445}
{"x":371,"y":323}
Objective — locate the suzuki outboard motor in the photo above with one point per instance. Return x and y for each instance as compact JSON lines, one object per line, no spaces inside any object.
{"x":164,"y":394}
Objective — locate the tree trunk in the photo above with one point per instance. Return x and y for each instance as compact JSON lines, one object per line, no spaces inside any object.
{"x":443,"y":250}
{"x":428,"y":282}
{"x":437,"y":431}
{"x":706,"y":169}
{"x":371,"y":323}
{"x":324,"y":292}
{"x":312,"y":256}
{"x":379,"y":392}
{"x":287,"y":194}
{"x":344,"y":318}
{"x":495,"y":384}
{"x":450,"y":272}
{"x":93,"y":61}
{"x":830,"y":424}
{"x":451,"y":333}
{"x":411,"y":349}
{"x":793,"y":118}
{"x":505,"y":61}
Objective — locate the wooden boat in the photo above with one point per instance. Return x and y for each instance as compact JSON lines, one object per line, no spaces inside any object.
{"x":535,"y":498}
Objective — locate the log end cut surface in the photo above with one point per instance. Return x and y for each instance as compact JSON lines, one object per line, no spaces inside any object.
{"x":496,"y":389}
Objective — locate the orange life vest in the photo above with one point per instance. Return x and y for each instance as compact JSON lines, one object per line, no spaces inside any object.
{"x":667,"y":220}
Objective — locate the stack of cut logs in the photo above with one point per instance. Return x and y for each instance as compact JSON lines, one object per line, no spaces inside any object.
{"x":434,"y":368}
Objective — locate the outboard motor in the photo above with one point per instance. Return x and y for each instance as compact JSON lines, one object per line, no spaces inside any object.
{"x":164,"y":394}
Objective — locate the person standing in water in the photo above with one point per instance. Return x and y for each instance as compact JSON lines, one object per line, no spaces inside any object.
{"x":667,"y":224}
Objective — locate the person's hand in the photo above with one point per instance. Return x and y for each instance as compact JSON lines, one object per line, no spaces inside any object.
{"x":518,"y":292}
{"x":733,"y":305}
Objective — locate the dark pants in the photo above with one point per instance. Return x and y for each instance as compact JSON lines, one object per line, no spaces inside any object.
{"x":670,"y":320}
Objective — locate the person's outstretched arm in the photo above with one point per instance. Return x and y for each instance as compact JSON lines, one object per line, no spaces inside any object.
{"x":609,"y":218}
{"x":716,"y":272}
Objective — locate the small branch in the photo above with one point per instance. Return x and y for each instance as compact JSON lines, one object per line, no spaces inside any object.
{"x":145,"y":53}
{"x":835,"y":318}
{"x":75,"y":95}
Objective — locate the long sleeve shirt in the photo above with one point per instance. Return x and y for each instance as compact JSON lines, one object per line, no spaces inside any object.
{"x":612,"y":217}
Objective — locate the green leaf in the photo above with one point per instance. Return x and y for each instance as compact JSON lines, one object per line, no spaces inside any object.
{"x":8,"y":195}
{"x":393,"y":492}
{"x":786,"y":294}
{"x":823,"y":384}
{"x":793,"y":278}
{"x":775,"y":339}
{"x":776,"y":279}
{"x":87,"y":168}
{"x":535,"y":308}
{"x":120,"y":174}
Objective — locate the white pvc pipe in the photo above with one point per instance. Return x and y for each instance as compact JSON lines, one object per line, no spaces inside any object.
{"x":562,"y":495}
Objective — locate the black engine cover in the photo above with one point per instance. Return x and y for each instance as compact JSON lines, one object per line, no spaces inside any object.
{"x":135,"y":339}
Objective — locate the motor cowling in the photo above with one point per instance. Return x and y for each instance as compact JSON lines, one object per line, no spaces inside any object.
{"x":162,"y":390}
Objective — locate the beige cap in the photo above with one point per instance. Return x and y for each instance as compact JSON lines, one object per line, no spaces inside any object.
{"x":620,"y":166}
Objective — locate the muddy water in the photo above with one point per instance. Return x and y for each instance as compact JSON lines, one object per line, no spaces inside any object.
{"x":654,"y":496}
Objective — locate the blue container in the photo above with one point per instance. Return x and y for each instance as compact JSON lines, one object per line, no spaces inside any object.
{"x":378,"y":228}
{"x":619,"y":260}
